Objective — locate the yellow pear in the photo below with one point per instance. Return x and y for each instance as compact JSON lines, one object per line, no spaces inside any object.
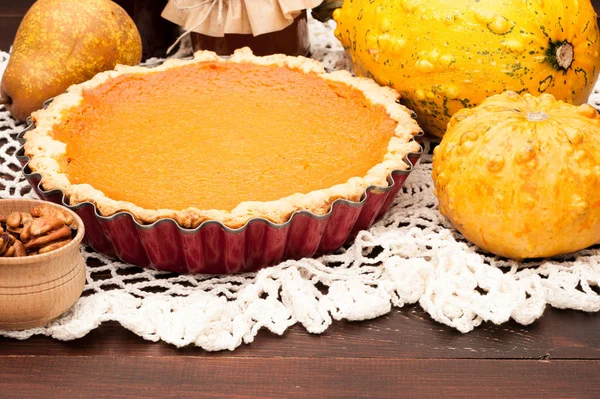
{"x":63,"y":42}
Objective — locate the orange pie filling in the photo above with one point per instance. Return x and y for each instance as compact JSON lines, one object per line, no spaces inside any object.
{"x":223,"y":140}
{"x":212,"y":135}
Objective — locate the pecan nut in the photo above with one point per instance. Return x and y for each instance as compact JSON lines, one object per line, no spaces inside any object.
{"x":53,"y":246}
{"x":15,"y":221}
{"x":6,"y":243}
{"x":45,"y":224}
{"x":40,"y":226}
{"x":48,"y":210}
{"x":20,"y":249}
{"x":10,"y":252}
{"x":38,"y":241}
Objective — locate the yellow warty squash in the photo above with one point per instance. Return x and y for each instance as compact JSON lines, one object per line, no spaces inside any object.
{"x":519,"y":176}
{"x":446,"y":55}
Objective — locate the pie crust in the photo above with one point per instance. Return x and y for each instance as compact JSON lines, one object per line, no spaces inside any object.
{"x":45,"y":152}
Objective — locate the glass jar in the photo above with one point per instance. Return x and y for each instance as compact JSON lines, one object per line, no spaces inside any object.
{"x":292,"y":40}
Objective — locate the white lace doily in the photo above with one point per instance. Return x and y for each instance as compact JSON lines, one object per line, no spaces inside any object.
{"x":411,"y":256}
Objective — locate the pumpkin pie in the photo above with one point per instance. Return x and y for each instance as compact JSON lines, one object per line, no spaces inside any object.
{"x":219,"y":139}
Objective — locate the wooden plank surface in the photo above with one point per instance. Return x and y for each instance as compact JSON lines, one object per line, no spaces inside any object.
{"x":173,"y":376}
{"x":404,"y":354}
{"x":403,"y":334}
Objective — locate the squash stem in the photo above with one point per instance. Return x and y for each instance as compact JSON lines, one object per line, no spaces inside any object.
{"x":561,"y":54}
{"x":5,"y":100}
{"x":537,"y":116}
{"x":564,"y":55}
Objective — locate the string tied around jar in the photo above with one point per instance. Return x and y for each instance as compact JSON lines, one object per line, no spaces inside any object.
{"x":196,"y":4}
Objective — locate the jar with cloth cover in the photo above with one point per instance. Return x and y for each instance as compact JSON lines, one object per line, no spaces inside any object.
{"x":267,"y":27}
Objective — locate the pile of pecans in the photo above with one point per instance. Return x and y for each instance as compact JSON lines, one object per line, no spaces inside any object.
{"x":46,"y":228}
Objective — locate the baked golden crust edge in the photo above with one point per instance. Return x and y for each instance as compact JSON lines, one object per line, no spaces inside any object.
{"x":44,"y":151}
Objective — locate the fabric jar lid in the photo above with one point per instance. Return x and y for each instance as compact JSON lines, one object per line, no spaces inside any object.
{"x":219,"y":17}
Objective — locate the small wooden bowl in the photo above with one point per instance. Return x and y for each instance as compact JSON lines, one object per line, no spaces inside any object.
{"x":36,"y":290}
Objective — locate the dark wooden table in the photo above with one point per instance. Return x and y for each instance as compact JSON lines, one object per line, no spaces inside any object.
{"x":403,"y":354}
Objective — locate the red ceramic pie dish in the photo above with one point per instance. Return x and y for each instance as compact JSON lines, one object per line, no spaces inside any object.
{"x":215,"y":248}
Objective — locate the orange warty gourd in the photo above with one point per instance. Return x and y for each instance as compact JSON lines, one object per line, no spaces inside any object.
{"x":446,"y":55}
{"x":519,"y":176}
